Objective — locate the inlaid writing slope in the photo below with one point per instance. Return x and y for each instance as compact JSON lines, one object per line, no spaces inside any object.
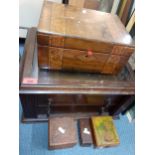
{"x":77,"y":39}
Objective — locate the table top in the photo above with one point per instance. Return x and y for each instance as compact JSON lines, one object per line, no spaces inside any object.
{"x":36,"y":81}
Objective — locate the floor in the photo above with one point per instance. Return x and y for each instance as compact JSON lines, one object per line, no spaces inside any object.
{"x":34,"y":139}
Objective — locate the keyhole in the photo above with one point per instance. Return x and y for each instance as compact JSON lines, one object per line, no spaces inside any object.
{"x":89,"y":53}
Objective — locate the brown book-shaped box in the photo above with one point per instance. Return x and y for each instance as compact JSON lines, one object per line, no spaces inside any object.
{"x":79,"y":39}
{"x":85,"y":132}
{"x":62,"y":132}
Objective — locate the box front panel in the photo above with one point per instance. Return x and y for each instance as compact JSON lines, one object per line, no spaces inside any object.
{"x":86,"y":61}
{"x":83,"y":61}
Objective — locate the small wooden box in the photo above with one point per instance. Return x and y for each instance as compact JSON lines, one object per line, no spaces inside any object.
{"x":85,"y":132}
{"x":104,"y":131}
{"x":62,"y":132}
{"x":57,"y":93}
{"x":79,"y":39}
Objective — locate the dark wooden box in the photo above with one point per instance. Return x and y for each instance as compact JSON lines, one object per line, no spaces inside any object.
{"x":77,"y":39}
{"x":46,"y":92}
{"x":62,"y":132}
{"x":85,"y":132}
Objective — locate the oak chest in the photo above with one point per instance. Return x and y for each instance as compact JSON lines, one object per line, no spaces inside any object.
{"x":77,"y":39}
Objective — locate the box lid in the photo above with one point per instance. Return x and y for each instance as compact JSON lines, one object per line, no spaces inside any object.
{"x":69,"y":21}
{"x":62,"y":132}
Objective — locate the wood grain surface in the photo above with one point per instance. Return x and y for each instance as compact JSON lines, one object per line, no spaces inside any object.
{"x":81,"y":23}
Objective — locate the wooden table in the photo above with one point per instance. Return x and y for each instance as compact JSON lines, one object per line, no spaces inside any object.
{"x":46,"y":93}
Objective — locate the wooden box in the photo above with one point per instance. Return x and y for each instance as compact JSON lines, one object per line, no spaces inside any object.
{"x":104,"y":131}
{"x":79,"y":39}
{"x":85,"y":132}
{"x":62,"y":132}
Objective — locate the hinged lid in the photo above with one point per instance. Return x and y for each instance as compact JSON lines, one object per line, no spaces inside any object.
{"x":69,"y":21}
